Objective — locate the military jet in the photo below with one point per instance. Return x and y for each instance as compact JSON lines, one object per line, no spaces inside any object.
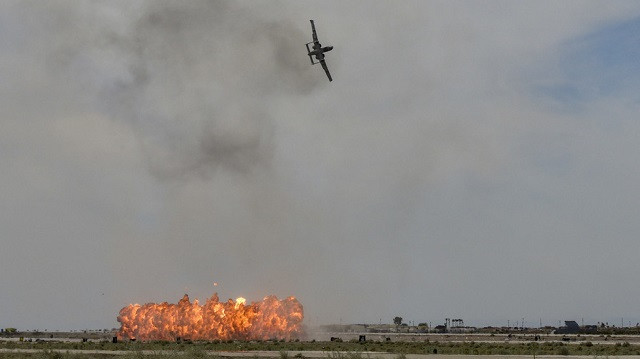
{"x":318,"y":51}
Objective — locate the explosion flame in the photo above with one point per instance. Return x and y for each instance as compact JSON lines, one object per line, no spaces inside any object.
{"x":270,"y":318}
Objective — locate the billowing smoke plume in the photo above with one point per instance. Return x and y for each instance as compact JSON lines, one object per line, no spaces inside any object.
{"x":194,"y":80}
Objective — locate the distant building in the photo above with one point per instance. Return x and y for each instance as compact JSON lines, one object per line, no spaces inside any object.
{"x":570,"y":327}
{"x":440,"y":328}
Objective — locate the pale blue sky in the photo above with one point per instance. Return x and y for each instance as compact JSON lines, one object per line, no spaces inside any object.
{"x":600,"y":64}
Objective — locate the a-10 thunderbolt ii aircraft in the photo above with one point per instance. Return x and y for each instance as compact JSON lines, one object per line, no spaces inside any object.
{"x":318,"y":51}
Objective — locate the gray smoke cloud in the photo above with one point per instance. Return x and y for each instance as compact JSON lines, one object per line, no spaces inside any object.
{"x":194,"y":81}
{"x":211,"y":92}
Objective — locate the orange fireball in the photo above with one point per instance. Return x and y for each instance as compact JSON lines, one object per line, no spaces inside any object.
{"x":270,"y":318}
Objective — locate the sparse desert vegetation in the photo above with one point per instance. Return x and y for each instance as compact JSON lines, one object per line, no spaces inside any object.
{"x":296,"y":349}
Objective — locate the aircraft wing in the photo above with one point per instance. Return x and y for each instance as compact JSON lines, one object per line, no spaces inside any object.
{"x":313,"y":29}
{"x":326,"y":69}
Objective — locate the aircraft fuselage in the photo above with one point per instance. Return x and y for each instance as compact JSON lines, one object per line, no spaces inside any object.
{"x":318,"y":51}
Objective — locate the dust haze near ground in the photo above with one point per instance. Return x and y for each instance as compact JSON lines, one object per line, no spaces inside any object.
{"x":469,"y":160}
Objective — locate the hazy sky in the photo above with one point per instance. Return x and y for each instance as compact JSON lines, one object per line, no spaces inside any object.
{"x":471,"y":159}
